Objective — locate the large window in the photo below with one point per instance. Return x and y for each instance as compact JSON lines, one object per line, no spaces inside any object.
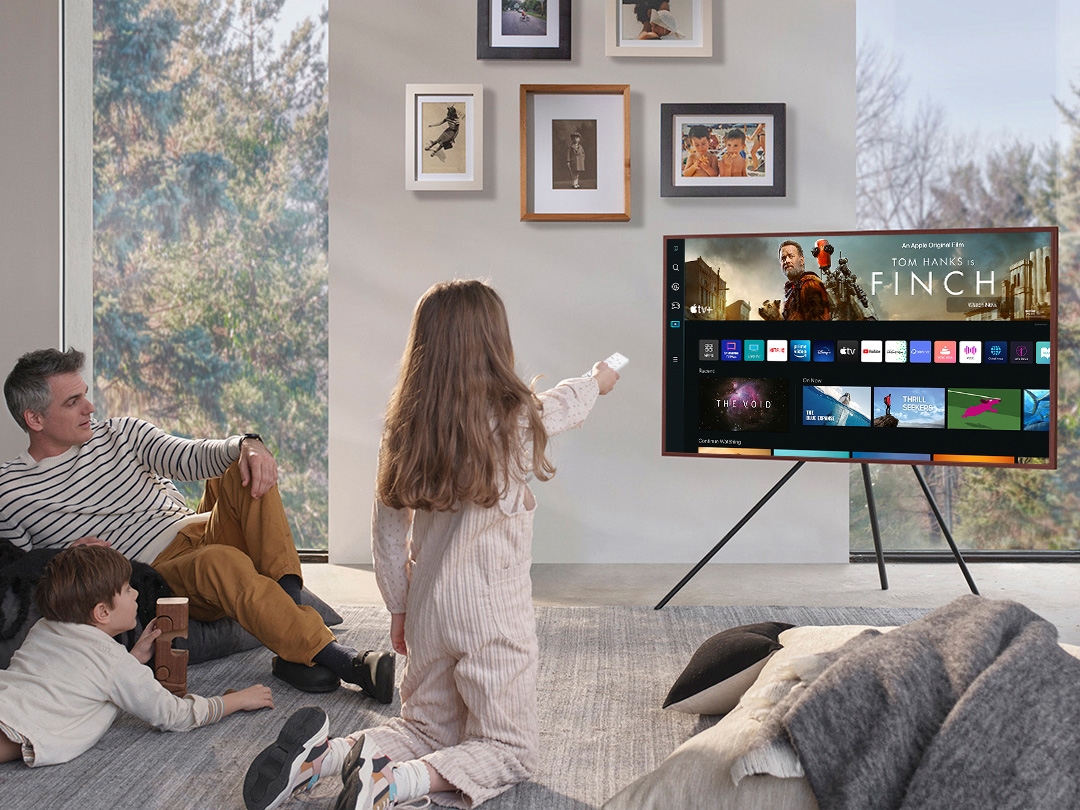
{"x":967,"y":117}
{"x":210,"y":128}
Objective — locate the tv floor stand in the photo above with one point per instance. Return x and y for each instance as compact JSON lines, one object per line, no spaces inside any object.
{"x":871,"y":508}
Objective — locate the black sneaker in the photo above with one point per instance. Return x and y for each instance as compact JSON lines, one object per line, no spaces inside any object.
{"x":315,"y":678}
{"x":373,"y":672}
{"x":284,"y":767}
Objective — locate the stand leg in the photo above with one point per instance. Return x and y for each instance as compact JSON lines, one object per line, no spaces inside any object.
{"x":729,"y":535}
{"x":945,"y":530}
{"x":871,"y":507}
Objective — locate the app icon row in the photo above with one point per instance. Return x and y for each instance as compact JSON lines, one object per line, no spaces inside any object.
{"x":1024,"y":352}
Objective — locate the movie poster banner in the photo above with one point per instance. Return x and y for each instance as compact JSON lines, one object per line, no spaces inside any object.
{"x":939,"y":276}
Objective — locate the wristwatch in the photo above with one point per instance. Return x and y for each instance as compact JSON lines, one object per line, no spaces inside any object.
{"x":255,"y":436}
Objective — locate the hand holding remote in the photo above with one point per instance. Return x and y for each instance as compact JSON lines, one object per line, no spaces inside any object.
{"x":607,"y":373}
{"x":615,"y":363}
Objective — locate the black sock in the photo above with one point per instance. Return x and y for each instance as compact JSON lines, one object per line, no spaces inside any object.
{"x":292,"y":585}
{"x":337,"y":657}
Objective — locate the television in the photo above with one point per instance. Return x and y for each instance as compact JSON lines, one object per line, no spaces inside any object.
{"x":912,"y":347}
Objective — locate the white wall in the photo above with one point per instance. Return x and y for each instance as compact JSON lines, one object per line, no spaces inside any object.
{"x":576,"y":291}
{"x":30,"y":210}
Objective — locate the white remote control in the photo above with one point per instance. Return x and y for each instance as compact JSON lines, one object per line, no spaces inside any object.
{"x":615,"y":363}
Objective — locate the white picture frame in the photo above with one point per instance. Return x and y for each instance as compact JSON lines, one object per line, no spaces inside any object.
{"x":690,"y":32}
{"x":444,"y":137}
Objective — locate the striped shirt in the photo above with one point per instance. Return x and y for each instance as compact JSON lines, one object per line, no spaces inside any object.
{"x":117,"y":486}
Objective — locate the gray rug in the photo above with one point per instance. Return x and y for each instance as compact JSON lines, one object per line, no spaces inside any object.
{"x":604,"y":671}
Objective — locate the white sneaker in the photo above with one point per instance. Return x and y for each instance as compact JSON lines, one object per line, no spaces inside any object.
{"x":369,"y":781}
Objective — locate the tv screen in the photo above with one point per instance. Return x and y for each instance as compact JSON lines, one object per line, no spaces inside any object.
{"x":914,"y":347}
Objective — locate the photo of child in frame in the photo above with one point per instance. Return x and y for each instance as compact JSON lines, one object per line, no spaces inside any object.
{"x":524,"y":19}
{"x":723,"y":149}
{"x":660,"y":21}
{"x":442,"y":133}
{"x":574,"y":153}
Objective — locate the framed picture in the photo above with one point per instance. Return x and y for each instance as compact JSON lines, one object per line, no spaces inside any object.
{"x":444,"y":137}
{"x":575,"y":152}
{"x":722,"y":150}
{"x":658,"y":28}
{"x":523,"y":29}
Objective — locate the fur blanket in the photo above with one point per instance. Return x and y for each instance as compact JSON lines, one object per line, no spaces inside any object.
{"x":973,"y":706}
{"x":20,"y":570}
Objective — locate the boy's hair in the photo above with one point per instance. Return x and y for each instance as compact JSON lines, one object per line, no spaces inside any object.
{"x":735,"y":135}
{"x":77,"y":579}
{"x":455,"y":420}
{"x":27,"y":386}
{"x":698,"y":131}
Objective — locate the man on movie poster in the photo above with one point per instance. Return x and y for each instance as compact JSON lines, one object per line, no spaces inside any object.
{"x":805,"y":296}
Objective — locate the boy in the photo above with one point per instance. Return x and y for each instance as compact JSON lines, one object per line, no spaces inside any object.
{"x":700,"y":162}
{"x":733,"y":163}
{"x":70,"y":678}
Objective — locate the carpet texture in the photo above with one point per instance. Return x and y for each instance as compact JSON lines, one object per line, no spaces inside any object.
{"x":604,"y":672}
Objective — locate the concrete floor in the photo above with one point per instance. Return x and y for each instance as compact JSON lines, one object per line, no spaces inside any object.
{"x":1050,"y":589}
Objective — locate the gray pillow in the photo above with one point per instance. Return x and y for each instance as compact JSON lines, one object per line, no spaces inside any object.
{"x":723,"y":667}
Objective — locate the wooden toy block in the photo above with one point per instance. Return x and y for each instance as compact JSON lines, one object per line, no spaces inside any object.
{"x":170,"y":665}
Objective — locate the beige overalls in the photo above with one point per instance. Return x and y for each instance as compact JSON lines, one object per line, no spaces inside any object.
{"x":468,"y":697}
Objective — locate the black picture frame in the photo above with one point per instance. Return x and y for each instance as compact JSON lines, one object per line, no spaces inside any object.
{"x":485,"y":49}
{"x":765,"y":167}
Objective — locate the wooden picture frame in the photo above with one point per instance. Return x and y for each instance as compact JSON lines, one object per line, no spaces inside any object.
{"x":699,"y":159}
{"x":522,"y":33}
{"x":688,"y":30}
{"x":444,"y":137}
{"x":575,"y":152}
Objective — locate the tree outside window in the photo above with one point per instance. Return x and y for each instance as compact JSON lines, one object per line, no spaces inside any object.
{"x":210,"y":228}
{"x":914,"y":172}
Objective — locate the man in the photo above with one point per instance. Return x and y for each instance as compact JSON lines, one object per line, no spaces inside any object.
{"x":805,"y":296}
{"x":86,"y":482}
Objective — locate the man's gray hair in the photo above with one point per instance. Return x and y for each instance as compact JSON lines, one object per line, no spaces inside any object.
{"x":27,"y":386}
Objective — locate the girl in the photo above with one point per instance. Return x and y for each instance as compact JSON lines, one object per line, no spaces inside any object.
{"x":463,"y":435}
{"x":449,"y":135}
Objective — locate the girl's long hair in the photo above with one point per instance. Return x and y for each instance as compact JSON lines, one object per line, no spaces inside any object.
{"x":455,"y":420}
